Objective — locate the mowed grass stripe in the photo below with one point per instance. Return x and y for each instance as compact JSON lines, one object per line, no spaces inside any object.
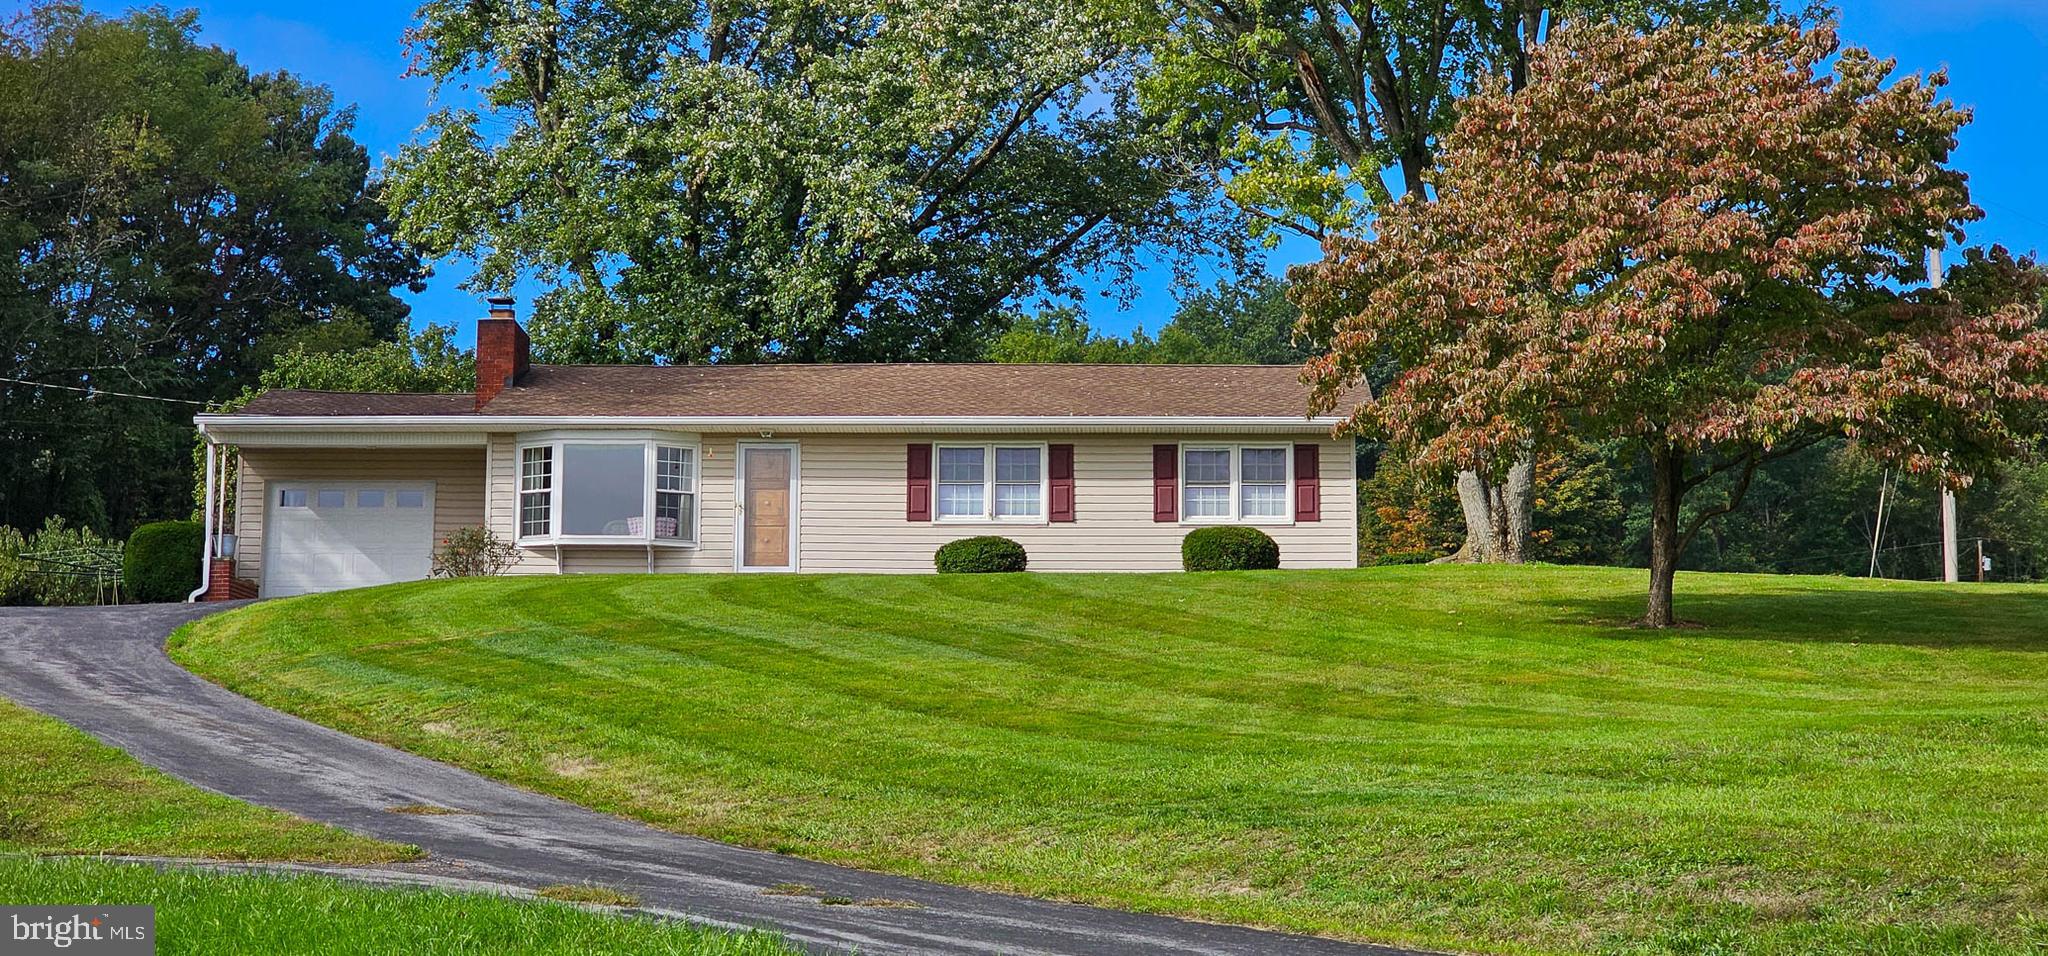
{"x":1472,"y":758}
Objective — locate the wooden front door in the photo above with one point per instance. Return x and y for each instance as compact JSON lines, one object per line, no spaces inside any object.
{"x":767,"y":506}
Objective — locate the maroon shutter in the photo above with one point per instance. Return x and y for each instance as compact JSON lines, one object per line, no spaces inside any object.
{"x":1308,"y":483}
{"x":1166,"y":482}
{"x":1059,"y":469}
{"x":918,"y":484}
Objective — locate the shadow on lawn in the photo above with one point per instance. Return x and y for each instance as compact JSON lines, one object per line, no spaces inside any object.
{"x":1759,"y":608}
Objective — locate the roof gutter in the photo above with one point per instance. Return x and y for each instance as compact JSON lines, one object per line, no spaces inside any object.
{"x":805,"y":423}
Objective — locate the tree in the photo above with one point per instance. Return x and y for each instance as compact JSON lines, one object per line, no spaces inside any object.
{"x":1064,"y":336}
{"x":1307,"y":106}
{"x":162,"y":210}
{"x":423,"y":361}
{"x":788,"y":179}
{"x":1246,"y":322}
{"x":1693,"y":240}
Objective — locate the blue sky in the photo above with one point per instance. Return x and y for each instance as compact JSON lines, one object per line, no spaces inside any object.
{"x":1996,"y":52}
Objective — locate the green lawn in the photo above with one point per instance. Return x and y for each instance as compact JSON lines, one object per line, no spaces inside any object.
{"x":1466,"y":758}
{"x":63,"y":792}
{"x":214,"y":914}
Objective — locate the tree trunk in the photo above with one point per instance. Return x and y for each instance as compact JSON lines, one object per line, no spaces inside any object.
{"x":1667,"y":489}
{"x":1497,"y":515}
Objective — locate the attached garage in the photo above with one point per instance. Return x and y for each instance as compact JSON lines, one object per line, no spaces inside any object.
{"x":331,"y":535}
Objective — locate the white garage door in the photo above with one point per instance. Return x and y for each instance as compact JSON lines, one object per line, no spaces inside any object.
{"x":330,"y":535}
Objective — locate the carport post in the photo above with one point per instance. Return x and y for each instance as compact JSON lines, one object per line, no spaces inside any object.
{"x":206,"y":542}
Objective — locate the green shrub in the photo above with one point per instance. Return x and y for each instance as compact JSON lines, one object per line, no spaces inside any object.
{"x":162,"y":561}
{"x":987,"y":554}
{"x":15,"y":586}
{"x":1229,"y":549}
{"x":20,"y":582}
{"x":473,"y":553}
{"x":1392,"y":558}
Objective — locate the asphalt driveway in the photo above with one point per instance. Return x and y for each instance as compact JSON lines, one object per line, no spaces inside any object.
{"x":103,"y":670}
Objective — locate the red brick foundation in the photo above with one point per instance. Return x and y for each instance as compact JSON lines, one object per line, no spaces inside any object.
{"x":222,"y":585}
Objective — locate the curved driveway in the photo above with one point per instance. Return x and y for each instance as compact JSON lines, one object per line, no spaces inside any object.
{"x":103,"y":670}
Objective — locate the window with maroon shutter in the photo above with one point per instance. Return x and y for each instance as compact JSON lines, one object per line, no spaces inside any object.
{"x":1059,"y":475}
{"x":1308,"y":483}
{"x":1166,"y":482}
{"x":918,"y":483}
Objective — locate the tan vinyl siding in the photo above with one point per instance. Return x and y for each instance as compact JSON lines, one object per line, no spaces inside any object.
{"x":850,"y":510}
{"x":457,"y":474}
{"x":853,"y":509}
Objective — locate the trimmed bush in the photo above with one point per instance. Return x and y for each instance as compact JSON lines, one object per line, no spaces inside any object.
{"x":1229,"y":548}
{"x":1392,"y":558}
{"x":161,"y":562}
{"x":987,"y":554}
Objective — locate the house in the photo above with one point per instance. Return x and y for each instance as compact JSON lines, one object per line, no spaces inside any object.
{"x":865,"y":468}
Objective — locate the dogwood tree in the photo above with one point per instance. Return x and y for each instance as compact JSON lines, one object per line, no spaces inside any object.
{"x":1704,"y":239}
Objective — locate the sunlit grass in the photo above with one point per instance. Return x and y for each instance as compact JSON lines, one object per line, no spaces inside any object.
{"x":1465,"y":758}
{"x":222,"y":914}
{"x":63,"y":792}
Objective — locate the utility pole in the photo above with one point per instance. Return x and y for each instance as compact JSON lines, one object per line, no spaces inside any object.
{"x":1980,"y":561}
{"x":1877,"y":533}
{"x":1948,"y":498}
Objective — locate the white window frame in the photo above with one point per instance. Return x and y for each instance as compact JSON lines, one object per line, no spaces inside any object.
{"x":521,"y":492}
{"x":1236,"y":515}
{"x":988,"y":484}
{"x":557,"y":485}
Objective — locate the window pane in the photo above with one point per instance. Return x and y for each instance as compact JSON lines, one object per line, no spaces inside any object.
{"x":536,"y":466}
{"x":672,"y":516}
{"x":412,"y":499}
{"x":331,"y":498}
{"x":603,"y":489}
{"x":961,"y":501}
{"x":674,"y":469}
{"x":1265,"y":464}
{"x":1208,"y":466}
{"x":1017,"y":501}
{"x":1264,"y":501}
{"x":1205,"y":501}
{"x":291,"y":498}
{"x":533,"y":513}
{"x":1017,"y":464}
{"x":961,"y":464}
{"x":369,"y":499}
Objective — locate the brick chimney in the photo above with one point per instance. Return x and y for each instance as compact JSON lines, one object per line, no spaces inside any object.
{"x":501,"y":351}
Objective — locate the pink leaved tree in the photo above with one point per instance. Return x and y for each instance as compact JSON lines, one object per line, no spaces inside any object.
{"x":1701,"y":239}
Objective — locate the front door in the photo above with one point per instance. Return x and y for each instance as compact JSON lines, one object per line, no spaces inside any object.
{"x":767,"y":507}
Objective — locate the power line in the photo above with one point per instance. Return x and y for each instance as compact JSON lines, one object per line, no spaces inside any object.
{"x":102,"y":391}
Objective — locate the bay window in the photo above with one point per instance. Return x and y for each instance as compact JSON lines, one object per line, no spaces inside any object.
{"x":991,"y":482}
{"x":606,"y":491}
{"x":1223,"y":483}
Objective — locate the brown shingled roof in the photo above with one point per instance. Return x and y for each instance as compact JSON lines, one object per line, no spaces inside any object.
{"x":300,"y":401}
{"x":926,"y":389}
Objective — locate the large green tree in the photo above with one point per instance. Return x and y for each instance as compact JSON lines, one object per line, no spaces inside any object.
{"x":1318,"y":113}
{"x":788,"y":179}
{"x":1249,"y":321}
{"x":1693,"y":241}
{"x":163,"y":211}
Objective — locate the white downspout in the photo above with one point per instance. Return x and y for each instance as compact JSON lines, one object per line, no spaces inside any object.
{"x":206,"y":543}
